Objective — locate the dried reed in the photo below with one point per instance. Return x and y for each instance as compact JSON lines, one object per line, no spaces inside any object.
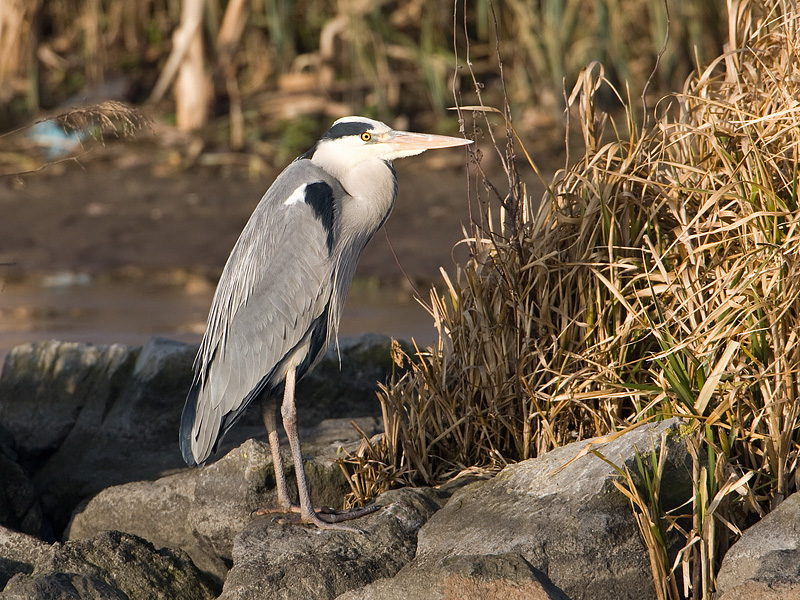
{"x":659,"y":276}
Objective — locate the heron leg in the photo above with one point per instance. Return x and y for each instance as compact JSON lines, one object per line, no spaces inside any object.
{"x":269,"y":410}
{"x":289,"y":414}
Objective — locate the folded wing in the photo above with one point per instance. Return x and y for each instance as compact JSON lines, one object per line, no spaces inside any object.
{"x":271,"y":306}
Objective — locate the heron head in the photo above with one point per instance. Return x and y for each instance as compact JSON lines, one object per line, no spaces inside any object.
{"x":353,"y":140}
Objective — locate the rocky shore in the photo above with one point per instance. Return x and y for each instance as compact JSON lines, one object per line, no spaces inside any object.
{"x":95,"y":501}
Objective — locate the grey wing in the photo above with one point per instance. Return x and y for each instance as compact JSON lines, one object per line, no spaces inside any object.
{"x":270,"y":307}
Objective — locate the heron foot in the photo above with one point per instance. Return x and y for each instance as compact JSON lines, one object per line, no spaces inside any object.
{"x":276,"y":510}
{"x":324,"y":517}
{"x":330,"y":515}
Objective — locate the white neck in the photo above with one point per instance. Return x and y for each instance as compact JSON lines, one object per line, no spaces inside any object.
{"x":371,"y":187}
{"x":371,"y":184}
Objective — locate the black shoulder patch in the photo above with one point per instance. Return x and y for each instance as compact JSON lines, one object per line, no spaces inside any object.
{"x":319,"y":196}
{"x":347,"y":128}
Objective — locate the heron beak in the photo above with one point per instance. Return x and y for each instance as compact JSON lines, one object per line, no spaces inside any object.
{"x":405,"y":143}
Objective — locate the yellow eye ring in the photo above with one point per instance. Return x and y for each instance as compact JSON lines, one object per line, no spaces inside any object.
{"x":366,"y":136}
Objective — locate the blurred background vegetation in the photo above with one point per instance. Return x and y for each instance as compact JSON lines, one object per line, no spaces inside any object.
{"x":246,"y":70}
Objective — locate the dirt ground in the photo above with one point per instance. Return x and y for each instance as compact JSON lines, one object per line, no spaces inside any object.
{"x":105,"y":219}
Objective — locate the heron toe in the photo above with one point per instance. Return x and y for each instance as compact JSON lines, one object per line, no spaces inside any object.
{"x":324,"y":517}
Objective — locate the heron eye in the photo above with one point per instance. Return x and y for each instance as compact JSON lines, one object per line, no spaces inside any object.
{"x":366,"y":136}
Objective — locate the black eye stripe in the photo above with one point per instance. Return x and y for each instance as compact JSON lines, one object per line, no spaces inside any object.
{"x":348,"y":128}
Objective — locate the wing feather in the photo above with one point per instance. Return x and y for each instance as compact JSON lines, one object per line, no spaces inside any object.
{"x":276,"y":284}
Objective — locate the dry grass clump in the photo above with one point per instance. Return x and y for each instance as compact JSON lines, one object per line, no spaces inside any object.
{"x":105,"y":118}
{"x":659,"y":276}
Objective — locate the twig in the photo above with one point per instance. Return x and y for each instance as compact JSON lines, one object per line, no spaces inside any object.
{"x":645,"y":118}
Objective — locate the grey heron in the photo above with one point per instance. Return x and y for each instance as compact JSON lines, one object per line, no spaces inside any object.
{"x":279,"y":299}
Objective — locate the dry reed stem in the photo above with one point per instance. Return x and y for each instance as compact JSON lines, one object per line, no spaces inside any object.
{"x":659,"y":276}
{"x":15,"y":32}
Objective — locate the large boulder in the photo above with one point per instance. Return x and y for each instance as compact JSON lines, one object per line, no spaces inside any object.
{"x":85,"y":417}
{"x":50,"y":390}
{"x":112,"y":565}
{"x":284,"y":561}
{"x":157,"y":511}
{"x":489,"y":577}
{"x":562,"y":513}
{"x":765,"y":563}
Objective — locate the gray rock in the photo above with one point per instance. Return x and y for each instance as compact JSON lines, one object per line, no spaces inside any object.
{"x":19,"y":505}
{"x":203,"y":510}
{"x":61,"y":586}
{"x":110,"y":565}
{"x":8,"y":445}
{"x":86,"y":417}
{"x":157,"y":511}
{"x":489,"y":577}
{"x":765,"y":562}
{"x":565,"y":518}
{"x":19,"y":553}
{"x":129,"y":437}
{"x":48,"y":388}
{"x":761,"y":590}
{"x":279,"y":561}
